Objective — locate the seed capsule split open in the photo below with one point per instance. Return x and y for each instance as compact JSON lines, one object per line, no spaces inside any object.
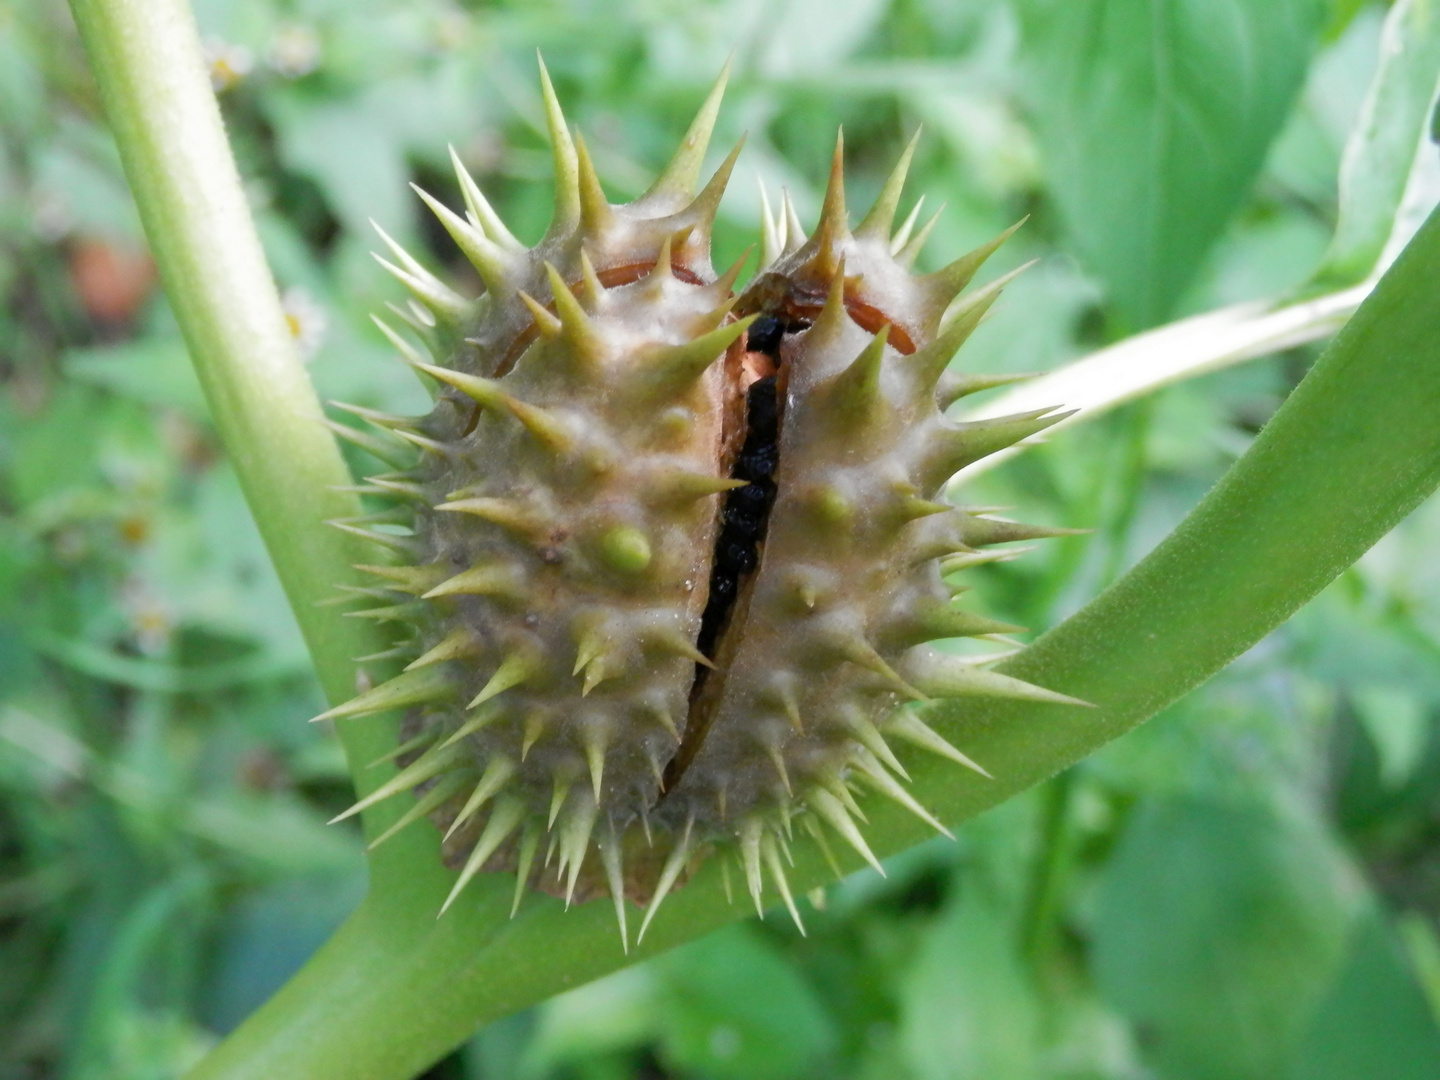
{"x":672,"y":557}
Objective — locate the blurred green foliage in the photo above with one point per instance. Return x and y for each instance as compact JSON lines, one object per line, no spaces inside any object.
{"x":1248,"y":887}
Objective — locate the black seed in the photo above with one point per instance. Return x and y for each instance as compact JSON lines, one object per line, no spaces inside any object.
{"x":746,"y":510}
{"x":760,"y":410}
{"x":741,"y":556}
{"x":744,"y":526}
{"x":764,"y":335}
{"x":760,"y":462}
{"x":749,"y":500}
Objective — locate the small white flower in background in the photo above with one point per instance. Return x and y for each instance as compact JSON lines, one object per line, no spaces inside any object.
{"x":306,"y":318}
{"x":294,"y":50}
{"x":151,"y":621}
{"x":228,"y":63}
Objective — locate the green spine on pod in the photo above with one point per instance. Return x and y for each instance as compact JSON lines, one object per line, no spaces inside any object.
{"x":589,"y":662}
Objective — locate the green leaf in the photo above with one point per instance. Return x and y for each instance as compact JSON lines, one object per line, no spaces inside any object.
{"x":277,"y":834}
{"x":266,"y":936}
{"x":1422,"y":948}
{"x":354,"y":149}
{"x":1397,"y":721}
{"x":1392,"y":134}
{"x":1375,"y":1021}
{"x":78,"y":168}
{"x":967,"y":1010}
{"x":22,"y":86}
{"x":152,"y":370}
{"x":612,"y":1015}
{"x":735,"y":1009}
{"x":47,"y":460}
{"x":154,"y":920}
{"x":1154,"y":117}
{"x":1218,"y":929}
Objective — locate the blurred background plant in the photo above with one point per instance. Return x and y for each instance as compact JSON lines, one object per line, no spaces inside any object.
{"x":1248,"y":886}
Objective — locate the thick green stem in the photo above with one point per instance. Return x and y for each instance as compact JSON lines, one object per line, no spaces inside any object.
{"x":148,"y":63}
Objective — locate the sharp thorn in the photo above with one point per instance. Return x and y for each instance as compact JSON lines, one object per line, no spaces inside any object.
{"x":575,"y":842}
{"x":575,"y":322}
{"x":489,"y":258}
{"x":503,"y":821}
{"x":777,"y":874}
{"x":393,"y":452}
{"x":505,"y":513}
{"x":485,"y":392}
{"x":870,"y":737}
{"x":483,"y":718}
{"x":406,"y":546}
{"x":497,"y":774}
{"x":683,"y":172}
{"x":945,"y":284}
{"x":513,"y":670}
{"x":592,"y":291}
{"x":675,"y":367}
{"x":529,"y":841}
{"x":861,"y":653}
{"x":611,"y":859}
{"x":567,"y":166}
{"x":704,"y":206}
{"x":813,"y":828}
{"x":408,"y":352}
{"x":419,"y":742}
{"x":902,"y":234}
{"x":678,"y":487}
{"x":794,"y":232}
{"x":675,"y":863}
{"x":444,"y":303}
{"x":545,"y":321}
{"x":557,"y":800}
{"x":443,"y":791}
{"x":907,"y":255}
{"x":941,"y":676}
{"x":874,"y":773}
{"x":595,"y":759}
{"x":595,"y":212}
{"x":906,"y":725}
{"x":833,"y":226}
{"x":459,"y":643}
{"x":487,"y":579}
{"x":670,"y":640}
{"x":881,"y":218}
{"x":834,"y":814}
{"x":480,"y":209}
{"x":404,"y":690}
{"x":430,"y":764}
{"x":772,"y":232}
{"x":750,"y":832}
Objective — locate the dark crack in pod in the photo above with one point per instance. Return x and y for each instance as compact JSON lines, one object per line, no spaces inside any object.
{"x":669,"y":560}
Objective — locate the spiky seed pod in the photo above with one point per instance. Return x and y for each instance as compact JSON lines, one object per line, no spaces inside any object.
{"x":673,"y":557}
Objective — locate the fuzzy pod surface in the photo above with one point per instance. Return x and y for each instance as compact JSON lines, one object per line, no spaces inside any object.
{"x":666,"y":563}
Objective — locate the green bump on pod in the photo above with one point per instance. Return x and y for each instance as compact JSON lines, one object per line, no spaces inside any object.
{"x":831,"y":506}
{"x":625,"y":549}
